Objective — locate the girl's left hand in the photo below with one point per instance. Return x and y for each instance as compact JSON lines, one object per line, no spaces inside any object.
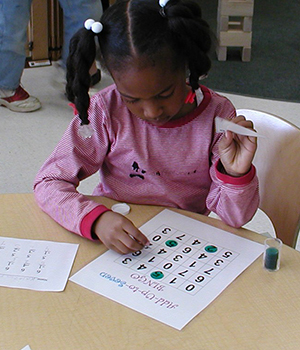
{"x":237,"y":151}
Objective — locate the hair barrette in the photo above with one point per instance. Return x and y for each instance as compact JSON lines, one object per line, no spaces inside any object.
{"x":190,"y":97}
{"x":85,"y":131}
{"x":162,"y":4}
{"x":95,"y":27}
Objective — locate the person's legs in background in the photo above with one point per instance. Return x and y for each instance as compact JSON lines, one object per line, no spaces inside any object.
{"x":14,"y":17}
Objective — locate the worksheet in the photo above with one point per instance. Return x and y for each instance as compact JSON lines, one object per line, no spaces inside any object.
{"x":185,"y":267}
{"x":34,"y":264}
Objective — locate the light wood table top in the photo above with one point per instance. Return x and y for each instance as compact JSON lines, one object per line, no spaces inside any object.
{"x":259,"y":310}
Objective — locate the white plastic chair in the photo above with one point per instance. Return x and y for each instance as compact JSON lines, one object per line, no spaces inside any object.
{"x":277,"y":161}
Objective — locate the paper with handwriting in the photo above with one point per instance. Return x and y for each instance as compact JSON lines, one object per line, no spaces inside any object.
{"x":35,"y":264}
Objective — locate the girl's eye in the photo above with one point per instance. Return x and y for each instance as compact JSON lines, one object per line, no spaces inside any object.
{"x":130,"y":101}
{"x":166,"y":95}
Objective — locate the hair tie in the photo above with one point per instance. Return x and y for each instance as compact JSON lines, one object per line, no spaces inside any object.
{"x":190,"y":97}
{"x":95,"y":27}
{"x":85,"y":131}
{"x":162,"y":4}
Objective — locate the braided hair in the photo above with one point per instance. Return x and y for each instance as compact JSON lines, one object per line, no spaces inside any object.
{"x":140,"y":29}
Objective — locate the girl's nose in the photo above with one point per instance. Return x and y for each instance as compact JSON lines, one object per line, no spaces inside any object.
{"x":152,"y":110}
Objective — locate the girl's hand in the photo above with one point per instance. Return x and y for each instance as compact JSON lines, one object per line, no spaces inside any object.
{"x":118,"y":233}
{"x":237,"y":151}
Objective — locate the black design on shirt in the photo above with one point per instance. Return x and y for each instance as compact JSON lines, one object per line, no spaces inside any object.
{"x":138,"y":172}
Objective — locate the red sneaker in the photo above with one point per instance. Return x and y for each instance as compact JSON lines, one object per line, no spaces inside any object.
{"x":19,"y":100}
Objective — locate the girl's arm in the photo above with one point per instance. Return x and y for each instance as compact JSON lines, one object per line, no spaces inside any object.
{"x":234,"y":192}
{"x":234,"y":199}
{"x":73,"y":160}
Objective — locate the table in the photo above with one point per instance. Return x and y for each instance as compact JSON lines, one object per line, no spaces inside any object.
{"x":259,"y":310}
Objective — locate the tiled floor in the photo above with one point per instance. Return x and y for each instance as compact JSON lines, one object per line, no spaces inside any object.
{"x":27,"y":139}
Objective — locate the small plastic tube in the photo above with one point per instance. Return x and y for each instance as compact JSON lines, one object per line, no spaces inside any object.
{"x":272,"y":254}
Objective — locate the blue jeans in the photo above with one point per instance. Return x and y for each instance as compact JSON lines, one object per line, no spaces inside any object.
{"x":14,"y":17}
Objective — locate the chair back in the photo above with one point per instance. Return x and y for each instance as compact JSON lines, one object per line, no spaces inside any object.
{"x":277,"y":161}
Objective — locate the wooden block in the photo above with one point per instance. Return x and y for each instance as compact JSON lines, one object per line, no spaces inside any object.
{"x":246,"y":54}
{"x":221,"y":53}
{"x":223,"y":23}
{"x":236,"y":8}
{"x":247,"y":24}
{"x":235,"y":23}
{"x":235,"y":38}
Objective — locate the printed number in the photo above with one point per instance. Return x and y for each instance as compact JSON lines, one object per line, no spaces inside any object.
{"x":182,"y":273}
{"x":227,"y":254}
{"x":218,"y":262}
{"x":199,"y":279}
{"x":152,"y":259}
{"x":173,"y":281}
{"x":156,"y":238}
{"x":202,"y":256}
{"x":142,"y":267}
{"x":193,"y":264}
{"x":196,"y":241}
{"x":148,"y":246}
{"x":189,"y":288}
{"x":180,"y":237}
{"x":186,"y":250}
{"x":209,"y":271}
{"x":162,"y":251}
{"x":166,"y":230}
{"x":126,"y":260}
{"x":137,"y":253}
{"x":177,"y":257}
{"x":167,"y":266}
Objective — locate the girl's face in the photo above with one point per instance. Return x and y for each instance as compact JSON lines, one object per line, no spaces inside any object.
{"x":154,"y":93}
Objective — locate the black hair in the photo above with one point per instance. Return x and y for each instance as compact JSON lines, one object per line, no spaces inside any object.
{"x":140,"y":29}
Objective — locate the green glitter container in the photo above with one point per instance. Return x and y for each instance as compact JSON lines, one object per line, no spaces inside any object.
{"x":272,"y":253}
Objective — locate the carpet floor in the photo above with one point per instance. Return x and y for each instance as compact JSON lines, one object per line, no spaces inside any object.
{"x":274,"y":69}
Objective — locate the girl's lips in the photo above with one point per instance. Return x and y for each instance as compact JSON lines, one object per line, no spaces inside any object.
{"x":159,"y":121}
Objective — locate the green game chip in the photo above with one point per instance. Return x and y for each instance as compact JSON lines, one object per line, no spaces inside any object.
{"x":171,"y":243}
{"x":157,"y":275}
{"x":211,"y":248}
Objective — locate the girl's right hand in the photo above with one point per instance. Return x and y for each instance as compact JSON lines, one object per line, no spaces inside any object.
{"x":118,"y":233}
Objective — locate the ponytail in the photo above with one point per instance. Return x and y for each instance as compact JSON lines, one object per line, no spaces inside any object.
{"x":82,"y":53}
{"x":191,"y":36}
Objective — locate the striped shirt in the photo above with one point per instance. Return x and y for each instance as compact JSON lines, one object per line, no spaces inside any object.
{"x":174,"y":165}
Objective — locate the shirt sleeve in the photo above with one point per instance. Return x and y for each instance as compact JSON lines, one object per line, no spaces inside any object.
{"x":73,"y":160}
{"x":234,"y":199}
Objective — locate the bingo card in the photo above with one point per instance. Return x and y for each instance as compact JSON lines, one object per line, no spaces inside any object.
{"x":185,"y":267}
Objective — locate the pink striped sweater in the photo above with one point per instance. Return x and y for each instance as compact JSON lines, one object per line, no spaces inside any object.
{"x":175,"y":165}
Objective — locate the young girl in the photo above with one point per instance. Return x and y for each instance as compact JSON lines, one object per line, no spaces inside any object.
{"x":151,"y":136}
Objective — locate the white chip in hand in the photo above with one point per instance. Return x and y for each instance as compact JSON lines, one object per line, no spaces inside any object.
{"x":121,"y":208}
